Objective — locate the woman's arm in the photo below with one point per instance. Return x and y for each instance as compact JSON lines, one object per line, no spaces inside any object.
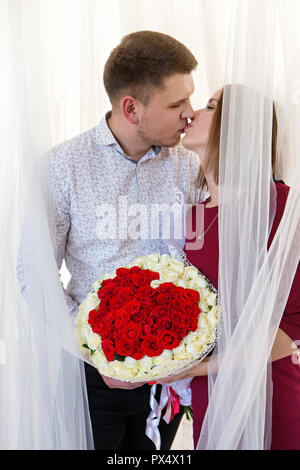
{"x":283,"y":346}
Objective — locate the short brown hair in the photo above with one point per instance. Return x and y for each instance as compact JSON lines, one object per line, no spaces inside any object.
{"x":213,"y":145}
{"x":142,"y":61}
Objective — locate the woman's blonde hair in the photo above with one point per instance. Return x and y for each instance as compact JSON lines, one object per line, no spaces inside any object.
{"x":212,"y":151}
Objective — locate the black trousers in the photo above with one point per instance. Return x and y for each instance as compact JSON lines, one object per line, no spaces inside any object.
{"x":119,"y":416}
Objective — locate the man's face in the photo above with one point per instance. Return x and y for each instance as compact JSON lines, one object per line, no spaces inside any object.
{"x":161,"y":122}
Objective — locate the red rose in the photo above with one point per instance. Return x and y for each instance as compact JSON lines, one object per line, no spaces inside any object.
{"x":147,"y":329}
{"x":131,"y":331}
{"x":193,"y":294}
{"x":140,"y":316}
{"x":121,"y":314}
{"x":125,"y":293}
{"x":137,"y":280}
{"x":191,"y":323}
{"x":122,"y":272}
{"x":158,"y":311}
{"x":135,"y":270}
{"x":168,"y":339}
{"x":163,"y":323}
{"x":108,"y":349}
{"x":191,"y":309}
{"x":179,"y":328}
{"x":106,"y":291}
{"x":115,"y":303}
{"x":119,"y":326}
{"x":163,"y":298}
{"x":94,"y":317}
{"x":137,"y":351}
{"x":106,"y":329}
{"x":124,"y":347}
{"x":151,"y":347}
{"x":132,"y":307}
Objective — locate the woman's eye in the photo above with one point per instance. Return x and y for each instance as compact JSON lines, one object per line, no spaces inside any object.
{"x":210,"y":107}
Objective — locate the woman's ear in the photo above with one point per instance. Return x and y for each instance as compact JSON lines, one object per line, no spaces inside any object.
{"x":129,"y":109}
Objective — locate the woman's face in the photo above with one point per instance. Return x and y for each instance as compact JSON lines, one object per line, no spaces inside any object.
{"x":197,"y":132}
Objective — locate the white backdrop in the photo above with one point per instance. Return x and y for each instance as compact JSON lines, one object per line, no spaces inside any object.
{"x":52,"y":54}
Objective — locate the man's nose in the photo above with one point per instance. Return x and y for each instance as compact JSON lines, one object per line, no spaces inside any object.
{"x":188,"y":113}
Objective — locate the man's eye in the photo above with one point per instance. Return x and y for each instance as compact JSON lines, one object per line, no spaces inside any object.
{"x":175,"y":106}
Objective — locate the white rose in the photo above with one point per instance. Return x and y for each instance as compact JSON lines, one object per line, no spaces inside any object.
{"x":206,"y":337}
{"x":156,"y":283}
{"x":152,"y":267}
{"x":195,"y":348}
{"x":165,"y":259}
{"x":203,"y":321}
{"x":204,"y":293}
{"x":165,"y":356}
{"x":123,"y":372}
{"x":99,"y":358}
{"x":139,"y":261}
{"x":212,"y":299}
{"x":82,"y":333}
{"x":93,"y":300}
{"x":153,"y":258}
{"x":213,"y":316}
{"x":130,"y":362}
{"x":192,"y":285}
{"x":181,"y":283}
{"x":203,"y":305}
{"x":180,"y":352}
{"x":168,"y":275}
{"x":93,"y":341}
{"x":194,"y":343}
{"x":106,"y":369}
{"x":145,"y":363}
{"x":176,"y":266}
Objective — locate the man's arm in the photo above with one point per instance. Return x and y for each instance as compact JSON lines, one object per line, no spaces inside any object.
{"x":57,"y":186}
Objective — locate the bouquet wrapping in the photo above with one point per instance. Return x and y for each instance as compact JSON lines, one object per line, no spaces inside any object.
{"x":149,"y":319}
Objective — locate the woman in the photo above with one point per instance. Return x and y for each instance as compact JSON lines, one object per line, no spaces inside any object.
{"x":203,"y":137}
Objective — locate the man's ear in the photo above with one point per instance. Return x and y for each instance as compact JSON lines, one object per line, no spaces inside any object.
{"x":129,"y":109}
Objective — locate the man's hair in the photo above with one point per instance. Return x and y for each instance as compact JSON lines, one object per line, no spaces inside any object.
{"x":141,"y":62}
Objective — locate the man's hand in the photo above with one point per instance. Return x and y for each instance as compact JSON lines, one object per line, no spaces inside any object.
{"x":113,"y":383}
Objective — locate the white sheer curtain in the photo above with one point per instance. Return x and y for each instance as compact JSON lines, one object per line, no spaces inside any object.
{"x":52,"y":54}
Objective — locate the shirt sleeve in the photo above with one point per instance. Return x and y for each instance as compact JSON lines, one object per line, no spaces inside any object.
{"x":58,"y":212}
{"x":59,"y":187}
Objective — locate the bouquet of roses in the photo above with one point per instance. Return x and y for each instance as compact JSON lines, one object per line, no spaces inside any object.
{"x":149,"y":319}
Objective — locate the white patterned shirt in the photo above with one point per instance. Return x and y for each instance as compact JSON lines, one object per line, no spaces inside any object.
{"x":106,"y":204}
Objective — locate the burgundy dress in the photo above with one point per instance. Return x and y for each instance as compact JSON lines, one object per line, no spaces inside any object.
{"x":285,"y":374}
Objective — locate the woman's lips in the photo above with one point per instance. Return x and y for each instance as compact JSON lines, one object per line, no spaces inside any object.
{"x":187,"y":127}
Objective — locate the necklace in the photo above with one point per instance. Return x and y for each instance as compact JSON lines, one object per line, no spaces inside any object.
{"x":201,"y":237}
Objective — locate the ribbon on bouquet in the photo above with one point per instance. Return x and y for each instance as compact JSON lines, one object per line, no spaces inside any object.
{"x":169,"y":399}
{"x":172,"y":404}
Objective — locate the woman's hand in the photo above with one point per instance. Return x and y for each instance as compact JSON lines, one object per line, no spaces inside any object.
{"x":196,"y":371}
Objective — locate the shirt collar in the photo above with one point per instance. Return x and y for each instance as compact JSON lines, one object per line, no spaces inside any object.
{"x":105,"y":137}
{"x":104,"y":134}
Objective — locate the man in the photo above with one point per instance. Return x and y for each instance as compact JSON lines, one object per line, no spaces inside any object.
{"x":131,"y":160}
